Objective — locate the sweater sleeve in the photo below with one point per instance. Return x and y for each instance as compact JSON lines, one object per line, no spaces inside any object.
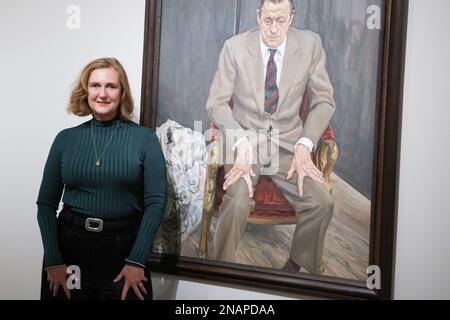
{"x":48,"y":201}
{"x":154,"y":193}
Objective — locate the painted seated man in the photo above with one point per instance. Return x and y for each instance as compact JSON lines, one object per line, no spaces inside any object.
{"x":265,"y":72}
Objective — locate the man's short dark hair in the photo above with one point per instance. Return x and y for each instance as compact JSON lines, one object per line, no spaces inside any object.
{"x":291,"y":2}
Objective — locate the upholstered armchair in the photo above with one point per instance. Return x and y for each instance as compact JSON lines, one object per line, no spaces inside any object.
{"x":270,"y":205}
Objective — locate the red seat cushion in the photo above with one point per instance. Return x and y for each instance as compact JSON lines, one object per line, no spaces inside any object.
{"x":271,"y":207}
{"x":328,"y":134}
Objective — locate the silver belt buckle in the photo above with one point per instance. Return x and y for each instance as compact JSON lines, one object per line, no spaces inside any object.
{"x":94,"y":225}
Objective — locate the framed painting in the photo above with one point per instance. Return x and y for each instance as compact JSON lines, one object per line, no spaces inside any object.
{"x":364,"y":43}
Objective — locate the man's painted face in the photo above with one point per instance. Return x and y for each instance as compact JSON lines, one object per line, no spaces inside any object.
{"x":274,"y":20}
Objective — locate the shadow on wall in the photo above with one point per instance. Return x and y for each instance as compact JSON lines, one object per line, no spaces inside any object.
{"x":164,"y":287}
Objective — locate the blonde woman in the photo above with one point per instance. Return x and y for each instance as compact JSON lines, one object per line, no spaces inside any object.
{"x":112,"y":174}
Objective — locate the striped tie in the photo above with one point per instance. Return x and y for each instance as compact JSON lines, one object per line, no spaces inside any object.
{"x":272,"y":94}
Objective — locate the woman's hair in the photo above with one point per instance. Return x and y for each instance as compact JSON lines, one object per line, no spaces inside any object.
{"x":78,"y":104}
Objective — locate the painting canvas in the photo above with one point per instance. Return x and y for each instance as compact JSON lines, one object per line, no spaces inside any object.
{"x":184,"y":39}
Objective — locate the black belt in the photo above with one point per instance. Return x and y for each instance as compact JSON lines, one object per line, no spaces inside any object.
{"x":92,"y":224}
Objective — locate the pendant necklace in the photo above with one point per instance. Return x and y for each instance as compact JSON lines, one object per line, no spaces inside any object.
{"x":98,"y":159}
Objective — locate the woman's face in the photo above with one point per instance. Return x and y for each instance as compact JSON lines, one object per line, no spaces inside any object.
{"x":104,"y":93}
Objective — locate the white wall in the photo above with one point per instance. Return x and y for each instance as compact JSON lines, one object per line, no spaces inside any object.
{"x":40,"y":58}
{"x":423,"y":237}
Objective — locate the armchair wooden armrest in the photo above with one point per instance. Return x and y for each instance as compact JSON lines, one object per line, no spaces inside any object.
{"x":209,"y":198}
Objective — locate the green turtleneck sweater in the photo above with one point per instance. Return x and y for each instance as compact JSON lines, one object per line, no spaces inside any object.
{"x":130,"y":179}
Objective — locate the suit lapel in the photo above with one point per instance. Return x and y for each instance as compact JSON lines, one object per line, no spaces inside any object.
{"x":292,"y":58}
{"x":255,"y":70}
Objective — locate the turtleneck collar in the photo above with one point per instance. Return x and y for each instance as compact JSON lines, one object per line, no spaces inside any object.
{"x":108,"y":123}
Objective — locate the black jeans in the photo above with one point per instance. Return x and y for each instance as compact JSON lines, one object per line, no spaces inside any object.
{"x":100,"y":257}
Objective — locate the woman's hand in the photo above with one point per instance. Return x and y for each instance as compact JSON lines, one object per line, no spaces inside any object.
{"x":57,"y":276}
{"x":133,"y":279}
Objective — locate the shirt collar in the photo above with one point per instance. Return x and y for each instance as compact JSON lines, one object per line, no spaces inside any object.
{"x":280,"y":49}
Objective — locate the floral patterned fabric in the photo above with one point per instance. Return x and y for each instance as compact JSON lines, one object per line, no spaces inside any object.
{"x":186,"y":155}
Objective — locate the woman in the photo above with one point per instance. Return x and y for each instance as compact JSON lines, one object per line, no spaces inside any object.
{"x":112,"y":172}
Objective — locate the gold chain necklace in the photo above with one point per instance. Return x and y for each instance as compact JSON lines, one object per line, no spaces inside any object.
{"x":98,"y":160}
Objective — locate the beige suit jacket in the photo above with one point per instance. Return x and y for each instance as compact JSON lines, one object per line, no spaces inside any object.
{"x":240,"y":78}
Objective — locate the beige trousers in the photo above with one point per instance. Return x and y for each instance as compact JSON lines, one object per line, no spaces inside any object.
{"x":314,"y":211}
